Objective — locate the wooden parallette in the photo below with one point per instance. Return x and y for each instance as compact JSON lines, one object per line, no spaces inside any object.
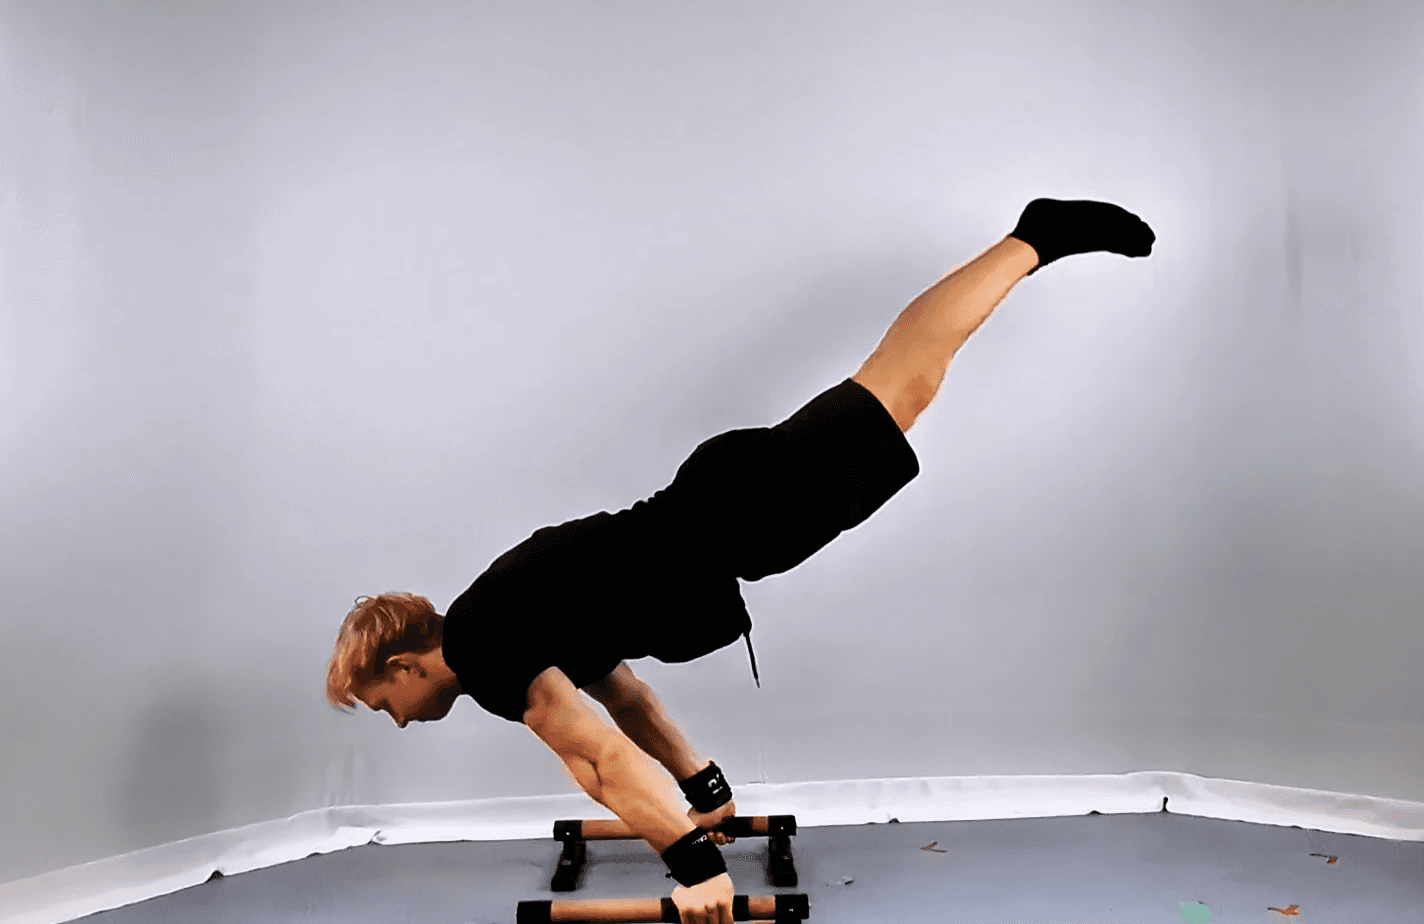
{"x":778,"y":829}
{"x":760,"y":909}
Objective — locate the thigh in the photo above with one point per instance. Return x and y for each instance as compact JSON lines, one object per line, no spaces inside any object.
{"x":761,"y":501}
{"x":845,"y":443}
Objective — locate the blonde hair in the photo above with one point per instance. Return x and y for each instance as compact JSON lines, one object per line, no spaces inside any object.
{"x":376,"y":629}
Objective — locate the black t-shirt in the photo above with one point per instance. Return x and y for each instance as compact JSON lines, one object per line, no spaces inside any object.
{"x":583,"y":596}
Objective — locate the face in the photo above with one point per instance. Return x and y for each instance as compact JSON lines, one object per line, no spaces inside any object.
{"x":409,"y":695}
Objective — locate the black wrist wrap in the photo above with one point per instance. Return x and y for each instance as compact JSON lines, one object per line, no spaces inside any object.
{"x":708,"y":790}
{"x":694,"y":859}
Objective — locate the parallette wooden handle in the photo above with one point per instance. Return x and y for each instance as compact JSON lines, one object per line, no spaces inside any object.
{"x":601,"y":829}
{"x":754,"y":908}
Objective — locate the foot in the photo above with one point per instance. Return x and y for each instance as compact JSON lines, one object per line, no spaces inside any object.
{"x":1056,"y":229}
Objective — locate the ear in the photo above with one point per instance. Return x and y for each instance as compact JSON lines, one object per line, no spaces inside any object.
{"x":397,"y":663}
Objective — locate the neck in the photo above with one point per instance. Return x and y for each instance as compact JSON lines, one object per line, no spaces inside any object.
{"x":438,"y":671}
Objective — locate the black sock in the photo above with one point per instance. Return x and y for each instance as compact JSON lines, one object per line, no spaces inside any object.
{"x":1056,"y":229}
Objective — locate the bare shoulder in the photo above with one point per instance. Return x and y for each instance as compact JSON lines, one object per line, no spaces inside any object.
{"x":550,"y":693}
{"x":559,"y":716}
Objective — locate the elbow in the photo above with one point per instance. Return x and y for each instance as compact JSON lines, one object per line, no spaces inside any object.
{"x":585,"y":774}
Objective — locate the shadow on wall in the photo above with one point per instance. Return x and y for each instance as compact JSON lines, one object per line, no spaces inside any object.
{"x":781,"y":339}
{"x":173,"y":786}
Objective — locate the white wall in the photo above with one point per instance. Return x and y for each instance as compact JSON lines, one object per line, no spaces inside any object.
{"x":303,"y":301}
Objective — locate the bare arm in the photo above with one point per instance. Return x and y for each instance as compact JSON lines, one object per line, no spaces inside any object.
{"x":631,"y":785}
{"x":605,"y":762}
{"x":647,"y":722}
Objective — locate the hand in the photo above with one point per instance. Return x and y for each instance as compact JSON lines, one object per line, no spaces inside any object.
{"x":707,"y":902}
{"x":712,"y":819}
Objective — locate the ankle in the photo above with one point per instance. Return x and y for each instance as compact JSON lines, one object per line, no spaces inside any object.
{"x":1020,"y":258}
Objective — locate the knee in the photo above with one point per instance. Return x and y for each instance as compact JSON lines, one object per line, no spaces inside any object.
{"x":910,"y":401}
{"x":904,"y":398}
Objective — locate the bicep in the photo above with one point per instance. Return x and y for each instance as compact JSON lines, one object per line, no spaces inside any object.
{"x":619,"y":689}
{"x":559,"y":716}
{"x":586,"y":776}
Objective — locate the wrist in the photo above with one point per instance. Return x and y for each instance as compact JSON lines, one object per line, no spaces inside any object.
{"x":694,"y":859}
{"x":707,"y":790}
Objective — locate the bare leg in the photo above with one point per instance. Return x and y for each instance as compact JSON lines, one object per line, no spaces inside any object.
{"x":906,"y":369}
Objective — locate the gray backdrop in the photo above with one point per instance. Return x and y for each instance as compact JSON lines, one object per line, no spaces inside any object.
{"x":303,"y":301}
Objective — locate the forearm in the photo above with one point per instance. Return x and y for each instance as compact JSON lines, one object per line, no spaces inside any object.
{"x":634,"y":788}
{"x":648,"y":725}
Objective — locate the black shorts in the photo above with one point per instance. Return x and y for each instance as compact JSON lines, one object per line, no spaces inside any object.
{"x":761,"y":501}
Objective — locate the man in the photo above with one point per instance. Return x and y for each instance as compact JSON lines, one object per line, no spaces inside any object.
{"x":563,"y":611}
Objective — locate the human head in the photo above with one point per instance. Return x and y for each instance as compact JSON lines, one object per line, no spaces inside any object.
{"x":388,"y":657}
